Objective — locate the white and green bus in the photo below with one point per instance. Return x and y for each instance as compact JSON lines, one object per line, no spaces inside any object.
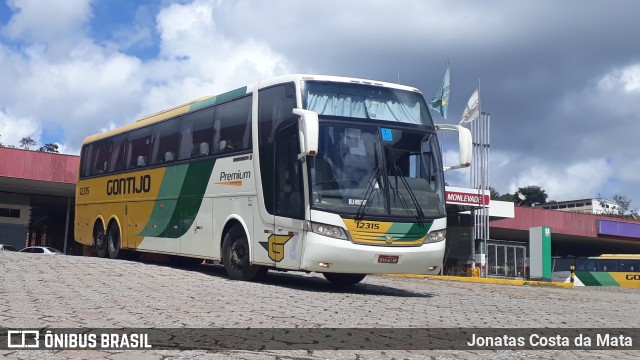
{"x":327,"y":174}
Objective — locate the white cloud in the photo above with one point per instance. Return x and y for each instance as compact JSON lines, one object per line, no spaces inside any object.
{"x":63,"y":79}
{"x":196,"y":59}
{"x":580,"y":180}
{"x":627,"y":79}
{"x":12,"y":129}
{"x":59,"y":23}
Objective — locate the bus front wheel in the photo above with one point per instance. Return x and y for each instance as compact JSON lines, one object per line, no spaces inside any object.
{"x":344,"y":279}
{"x":100,"y":241}
{"x":113,"y":241}
{"x":235,"y":256}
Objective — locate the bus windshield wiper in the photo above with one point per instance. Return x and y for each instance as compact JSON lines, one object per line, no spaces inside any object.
{"x":412,"y":195}
{"x":368,"y":191}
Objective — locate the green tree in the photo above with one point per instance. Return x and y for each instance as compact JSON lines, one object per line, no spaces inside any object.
{"x":27,"y":143}
{"x":494,"y":193}
{"x":507,"y":197}
{"x":51,"y":148}
{"x":530,"y":195}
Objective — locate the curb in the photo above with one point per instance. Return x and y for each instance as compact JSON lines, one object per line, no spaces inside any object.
{"x":487,"y":280}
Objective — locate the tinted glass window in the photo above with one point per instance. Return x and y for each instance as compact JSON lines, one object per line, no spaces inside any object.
{"x":629,"y":265}
{"x":138,"y":148}
{"x":196,"y":134}
{"x":85,"y":165}
{"x":288,"y":191}
{"x":100,"y":157}
{"x":7,"y":212}
{"x":275,"y":106}
{"x":563,"y":264}
{"x":607,"y":265}
{"x":116,"y":162}
{"x":232,"y":125}
{"x":164,"y":139}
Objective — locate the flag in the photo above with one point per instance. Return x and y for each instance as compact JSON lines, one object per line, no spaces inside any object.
{"x":440,"y":102}
{"x":472,"y":110}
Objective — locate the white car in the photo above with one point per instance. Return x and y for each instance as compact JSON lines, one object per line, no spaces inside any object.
{"x":41,"y":250}
{"x":7,"y":247}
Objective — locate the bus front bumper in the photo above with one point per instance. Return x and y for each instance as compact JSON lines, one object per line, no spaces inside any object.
{"x":322,"y":254}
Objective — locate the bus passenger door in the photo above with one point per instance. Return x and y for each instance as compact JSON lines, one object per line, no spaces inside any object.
{"x":285,"y":248}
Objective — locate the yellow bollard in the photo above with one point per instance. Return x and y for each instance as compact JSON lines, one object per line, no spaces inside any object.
{"x":573,"y":273}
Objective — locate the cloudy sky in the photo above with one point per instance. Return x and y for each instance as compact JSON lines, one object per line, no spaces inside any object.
{"x":561,"y":79}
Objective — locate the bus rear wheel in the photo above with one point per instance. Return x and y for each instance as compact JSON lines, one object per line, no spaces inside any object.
{"x":235,"y":256}
{"x":100,"y":241}
{"x":113,"y":241}
{"x":344,"y":279}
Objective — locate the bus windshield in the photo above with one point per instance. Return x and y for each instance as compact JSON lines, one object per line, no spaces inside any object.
{"x":363,"y":170}
{"x":366,"y":102}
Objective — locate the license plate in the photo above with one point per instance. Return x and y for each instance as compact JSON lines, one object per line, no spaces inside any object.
{"x":388,"y":259}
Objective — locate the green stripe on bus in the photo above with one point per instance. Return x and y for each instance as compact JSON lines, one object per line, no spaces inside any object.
{"x":407,"y":231}
{"x":590,"y":278}
{"x":166,"y":202}
{"x":190,"y":198}
{"x":218,"y":99}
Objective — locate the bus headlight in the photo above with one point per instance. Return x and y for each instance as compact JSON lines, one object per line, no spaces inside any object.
{"x":435,"y":236}
{"x":329,"y":230}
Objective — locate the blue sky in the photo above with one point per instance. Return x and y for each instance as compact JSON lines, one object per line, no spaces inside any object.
{"x":561,"y":79}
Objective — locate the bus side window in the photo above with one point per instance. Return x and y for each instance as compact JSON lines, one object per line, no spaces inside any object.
{"x":116,"y":162}
{"x":186,"y":141}
{"x":165,"y":141}
{"x":233,"y":119}
{"x":139,"y":147}
{"x":86,"y":160}
{"x":196,"y":133}
{"x":101,"y":151}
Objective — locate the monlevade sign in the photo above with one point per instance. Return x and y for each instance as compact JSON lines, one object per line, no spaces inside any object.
{"x":256,"y":339}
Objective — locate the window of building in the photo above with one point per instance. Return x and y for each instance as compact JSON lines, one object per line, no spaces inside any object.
{"x":10,"y":213}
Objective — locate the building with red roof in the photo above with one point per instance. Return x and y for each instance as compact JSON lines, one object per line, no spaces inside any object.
{"x":37,"y":192}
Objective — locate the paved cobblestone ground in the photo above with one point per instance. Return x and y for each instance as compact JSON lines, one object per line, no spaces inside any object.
{"x":39,"y":291}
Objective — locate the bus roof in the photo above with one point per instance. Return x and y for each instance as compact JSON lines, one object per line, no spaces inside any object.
{"x":619,"y":256}
{"x":239,"y":92}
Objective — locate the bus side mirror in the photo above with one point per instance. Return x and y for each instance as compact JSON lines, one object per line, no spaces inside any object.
{"x":308,"y":131}
{"x":465,"y":144}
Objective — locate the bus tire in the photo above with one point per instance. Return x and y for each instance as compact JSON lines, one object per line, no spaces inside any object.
{"x":344,"y":279}
{"x":235,"y":256}
{"x":113,"y":240}
{"x":100,"y":240}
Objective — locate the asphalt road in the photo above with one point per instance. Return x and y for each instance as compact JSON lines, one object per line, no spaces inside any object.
{"x":40,"y":291}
